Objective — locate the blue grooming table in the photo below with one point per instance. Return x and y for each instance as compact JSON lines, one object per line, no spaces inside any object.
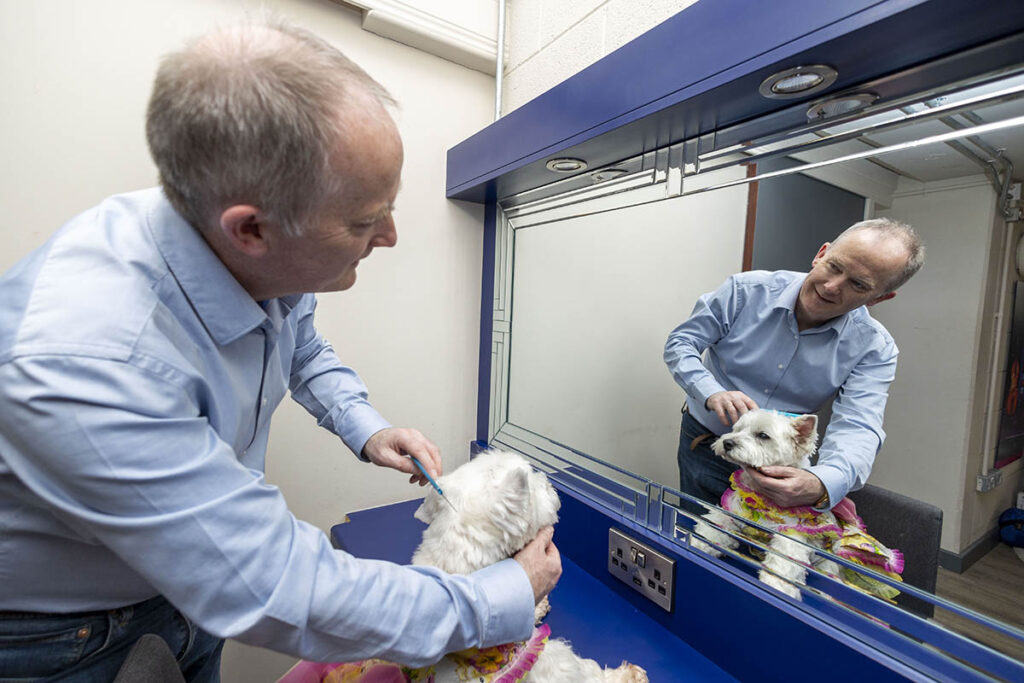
{"x":600,"y":623}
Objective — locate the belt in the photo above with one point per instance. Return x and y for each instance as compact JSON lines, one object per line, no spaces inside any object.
{"x":699,"y":440}
{"x":703,"y":437}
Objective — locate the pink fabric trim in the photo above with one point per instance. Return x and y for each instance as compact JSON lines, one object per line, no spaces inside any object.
{"x":524,"y":660}
{"x":308,"y":672}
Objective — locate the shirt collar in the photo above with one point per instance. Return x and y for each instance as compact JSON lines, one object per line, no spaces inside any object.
{"x":222,"y":304}
{"x":787,"y":300}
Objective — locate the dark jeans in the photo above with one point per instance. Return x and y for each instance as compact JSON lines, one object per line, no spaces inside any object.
{"x":702,"y":474}
{"x":89,"y":647}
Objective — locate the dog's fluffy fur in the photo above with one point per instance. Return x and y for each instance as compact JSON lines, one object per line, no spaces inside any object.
{"x":760,"y":438}
{"x":501,"y":503}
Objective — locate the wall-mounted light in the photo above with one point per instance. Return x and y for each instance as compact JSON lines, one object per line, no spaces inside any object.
{"x":798,"y":81}
{"x":566,"y":165}
{"x":837,"y":106}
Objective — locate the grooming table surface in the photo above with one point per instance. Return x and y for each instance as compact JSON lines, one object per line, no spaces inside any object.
{"x":599,"y":624}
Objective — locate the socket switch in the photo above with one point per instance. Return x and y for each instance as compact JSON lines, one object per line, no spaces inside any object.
{"x":643,"y":568}
{"x":987,"y":482}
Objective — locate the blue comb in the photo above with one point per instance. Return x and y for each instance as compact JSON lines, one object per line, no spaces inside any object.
{"x":431,"y":480}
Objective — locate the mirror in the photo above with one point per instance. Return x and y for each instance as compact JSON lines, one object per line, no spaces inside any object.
{"x":594,"y":272}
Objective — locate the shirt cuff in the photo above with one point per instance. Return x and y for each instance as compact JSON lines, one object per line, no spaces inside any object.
{"x":833,"y":482}
{"x":702,"y":389}
{"x":356,"y":424}
{"x":510,"y":595}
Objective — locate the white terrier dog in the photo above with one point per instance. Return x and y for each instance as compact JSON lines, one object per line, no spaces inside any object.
{"x":500,"y":505}
{"x":760,"y":438}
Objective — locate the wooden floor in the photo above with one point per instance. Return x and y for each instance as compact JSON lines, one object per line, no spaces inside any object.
{"x":993,"y":586}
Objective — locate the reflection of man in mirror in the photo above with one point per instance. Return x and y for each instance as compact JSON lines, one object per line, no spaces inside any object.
{"x":791,"y":341}
{"x":143,"y":350}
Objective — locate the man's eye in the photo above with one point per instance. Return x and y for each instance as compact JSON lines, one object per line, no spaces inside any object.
{"x":860,"y":286}
{"x":763,"y":436}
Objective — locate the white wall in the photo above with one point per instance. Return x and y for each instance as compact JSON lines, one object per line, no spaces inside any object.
{"x":595,"y":298}
{"x":941,"y":321}
{"x":76,"y":78}
{"x":549,"y":40}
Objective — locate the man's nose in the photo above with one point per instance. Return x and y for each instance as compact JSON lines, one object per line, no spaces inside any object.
{"x":388,"y":235}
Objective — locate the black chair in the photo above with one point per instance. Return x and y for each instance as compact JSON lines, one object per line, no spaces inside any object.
{"x":150,"y":661}
{"x":911,"y":526}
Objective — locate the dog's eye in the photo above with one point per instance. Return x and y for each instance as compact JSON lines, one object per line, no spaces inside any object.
{"x":763,"y":436}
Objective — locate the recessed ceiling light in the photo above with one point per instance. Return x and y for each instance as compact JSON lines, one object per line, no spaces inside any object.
{"x":798,"y":81}
{"x":604,"y":174}
{"x":566,"y":165}
{"x":837,"y":106}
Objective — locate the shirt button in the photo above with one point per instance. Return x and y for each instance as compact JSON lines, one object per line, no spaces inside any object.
{"x":780,"y":366}
{"x":264,"y":401}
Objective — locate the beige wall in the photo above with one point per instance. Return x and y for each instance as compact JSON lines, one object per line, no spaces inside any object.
{"x":76,"y":78}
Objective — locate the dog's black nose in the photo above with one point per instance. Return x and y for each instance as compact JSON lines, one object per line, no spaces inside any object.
{"x":727,"y":445}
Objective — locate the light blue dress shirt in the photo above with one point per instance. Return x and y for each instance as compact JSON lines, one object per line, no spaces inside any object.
{"x":137,"y":383}
{"x":749,"y":331}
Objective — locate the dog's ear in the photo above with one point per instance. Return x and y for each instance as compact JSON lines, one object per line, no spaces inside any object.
{"x":428,"y":509}
{"x":513,"y":501}
{"x":806,"y":427}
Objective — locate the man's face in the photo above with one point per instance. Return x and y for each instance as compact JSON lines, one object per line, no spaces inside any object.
{"x":854,"y":272}
{"x":355,"y":221}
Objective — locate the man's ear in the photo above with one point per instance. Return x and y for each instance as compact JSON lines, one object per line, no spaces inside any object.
{"x":880,"y":299}
{"x":245,"y":228}
{"x":820,"y":254}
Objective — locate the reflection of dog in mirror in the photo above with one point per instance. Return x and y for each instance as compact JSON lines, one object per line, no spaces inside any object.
{"x":760,"y":438}
{"x":501,"y":503}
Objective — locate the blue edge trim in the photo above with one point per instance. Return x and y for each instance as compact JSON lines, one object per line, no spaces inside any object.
{"x":483,"y":390}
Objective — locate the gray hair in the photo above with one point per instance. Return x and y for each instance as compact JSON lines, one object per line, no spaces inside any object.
{"x":892,"y":229}
{"x":250,"y":115}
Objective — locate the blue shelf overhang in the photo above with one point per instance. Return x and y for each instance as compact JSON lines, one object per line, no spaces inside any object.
{"x":699,"y":71}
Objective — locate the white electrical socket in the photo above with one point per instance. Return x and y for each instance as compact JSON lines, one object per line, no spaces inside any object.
{"x":643,"y":568}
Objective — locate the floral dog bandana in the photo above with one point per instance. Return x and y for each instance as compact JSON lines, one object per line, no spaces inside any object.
{"x":509,"y":663}
{"x":839,"y":531}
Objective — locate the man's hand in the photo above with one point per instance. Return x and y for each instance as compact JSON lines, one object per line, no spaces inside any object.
{"x":787,"y":486}
{"x":388,"y":447}
{"x":729,"y":405}
{"x":542,"y":563}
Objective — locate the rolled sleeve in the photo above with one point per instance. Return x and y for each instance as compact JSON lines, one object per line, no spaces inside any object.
{"x":709,"y":322}
{"x":855,"y":434}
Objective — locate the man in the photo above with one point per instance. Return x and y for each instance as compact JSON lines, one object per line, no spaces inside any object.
{"x":791,"y":341}
{"x":143,"y":350}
